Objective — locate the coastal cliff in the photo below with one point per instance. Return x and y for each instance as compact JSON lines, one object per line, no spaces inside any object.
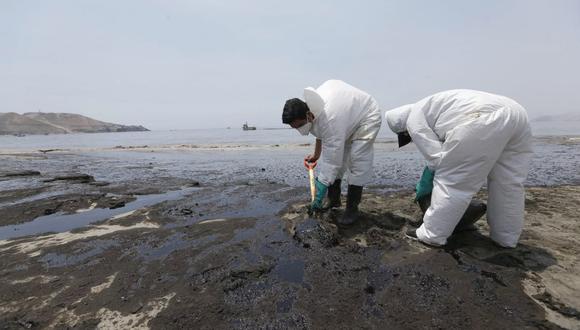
{"x":57,"y":123}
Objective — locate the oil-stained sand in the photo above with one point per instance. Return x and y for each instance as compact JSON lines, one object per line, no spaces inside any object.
{"x":249,"y":256}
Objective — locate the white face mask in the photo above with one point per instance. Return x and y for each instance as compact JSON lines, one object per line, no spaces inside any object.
{"x":305,"y":129}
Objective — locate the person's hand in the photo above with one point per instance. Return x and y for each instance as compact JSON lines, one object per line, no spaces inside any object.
{"x":311,"y":158}
{"x":425,"y":185}
{"x":321,"y":190}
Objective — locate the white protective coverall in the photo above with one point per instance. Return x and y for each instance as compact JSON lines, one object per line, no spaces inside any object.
{"x":468,"y":136}
{"x":347,"y":120}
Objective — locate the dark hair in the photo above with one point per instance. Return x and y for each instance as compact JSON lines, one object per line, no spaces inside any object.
{"x":294,"y":109}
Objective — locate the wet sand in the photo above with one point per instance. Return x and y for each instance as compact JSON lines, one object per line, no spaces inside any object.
{"x":165,"y":252}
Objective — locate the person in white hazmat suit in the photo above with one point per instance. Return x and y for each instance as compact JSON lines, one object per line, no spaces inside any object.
{"x":345,"y":122}
{"x":467,"y":137}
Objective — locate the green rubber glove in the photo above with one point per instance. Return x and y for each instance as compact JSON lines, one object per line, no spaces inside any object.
{"x":425,"y":185}
{"x":321,"y":190}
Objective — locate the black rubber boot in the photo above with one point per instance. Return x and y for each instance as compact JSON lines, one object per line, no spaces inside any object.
{"x":474,"y":212}
{"x":333,"y":197}
{"x":352,"y":200}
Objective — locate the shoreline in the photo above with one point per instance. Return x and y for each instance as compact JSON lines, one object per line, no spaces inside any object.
{"x":552,"y":139}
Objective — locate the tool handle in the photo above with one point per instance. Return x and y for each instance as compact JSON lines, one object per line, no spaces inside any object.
{"x":312,"y":184}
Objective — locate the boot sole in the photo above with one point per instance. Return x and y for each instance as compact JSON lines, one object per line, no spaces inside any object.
{"x":343,"y":223}
{"x":336,"y":206}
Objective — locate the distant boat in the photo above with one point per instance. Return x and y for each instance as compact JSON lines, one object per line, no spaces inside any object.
{"x":248,"y":128}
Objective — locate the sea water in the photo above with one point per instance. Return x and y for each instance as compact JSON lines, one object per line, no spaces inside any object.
{"x":228,"y":156}
{"x":204,"y":137}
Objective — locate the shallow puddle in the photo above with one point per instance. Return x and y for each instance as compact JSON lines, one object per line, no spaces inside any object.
{"x":150,"y":251}
{"x":58,"y":222}
{"x":290,"y":271}
{"x":91,"y":249}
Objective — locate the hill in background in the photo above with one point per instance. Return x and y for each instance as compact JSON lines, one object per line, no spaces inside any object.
{"x":57,"y":123}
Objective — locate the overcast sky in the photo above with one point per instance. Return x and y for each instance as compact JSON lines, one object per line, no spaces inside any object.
{"x":177,"y":64}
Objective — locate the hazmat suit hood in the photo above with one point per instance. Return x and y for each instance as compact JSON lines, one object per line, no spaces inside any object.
{"x":397,"y":120}
{"x":314,"y":101}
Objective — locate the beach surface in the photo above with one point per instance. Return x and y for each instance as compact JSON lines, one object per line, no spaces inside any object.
{"x":217,"y":236}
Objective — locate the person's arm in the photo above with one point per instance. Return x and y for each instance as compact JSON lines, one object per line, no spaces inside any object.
{"x":317,"y":150}
{"x":424,"y":137}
